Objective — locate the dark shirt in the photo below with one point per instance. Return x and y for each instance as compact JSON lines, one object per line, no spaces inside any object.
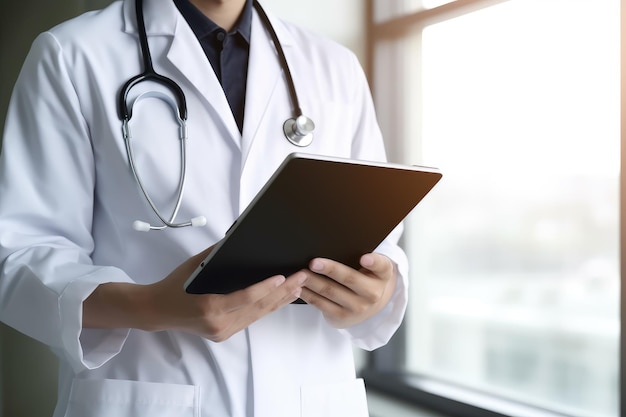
{"x":227,"y":51}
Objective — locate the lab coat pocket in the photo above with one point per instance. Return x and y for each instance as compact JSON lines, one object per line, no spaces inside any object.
{"x":119,"y":398}
{"x":345,"y":399}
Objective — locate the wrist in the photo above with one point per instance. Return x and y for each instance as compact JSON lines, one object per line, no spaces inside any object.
{"x":119,"y":305}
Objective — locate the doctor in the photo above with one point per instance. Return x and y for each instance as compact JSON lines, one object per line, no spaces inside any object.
{"x":108,"y":299}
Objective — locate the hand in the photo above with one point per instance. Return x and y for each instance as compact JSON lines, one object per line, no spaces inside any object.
{"x":346,"y":296}
{"x":165,"y":305}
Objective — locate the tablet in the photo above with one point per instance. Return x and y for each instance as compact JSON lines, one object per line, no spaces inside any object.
{"x":312,"y":206}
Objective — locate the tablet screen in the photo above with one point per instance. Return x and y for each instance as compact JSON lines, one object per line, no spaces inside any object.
{"x":312,"y":206}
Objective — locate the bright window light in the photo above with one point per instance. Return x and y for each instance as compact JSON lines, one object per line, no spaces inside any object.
{"x":515,"y":258}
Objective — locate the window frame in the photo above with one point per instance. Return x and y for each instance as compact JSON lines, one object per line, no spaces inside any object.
{"x":380,"y":373}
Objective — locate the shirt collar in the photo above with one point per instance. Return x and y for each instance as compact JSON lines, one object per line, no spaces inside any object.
{"x":203,"y":26}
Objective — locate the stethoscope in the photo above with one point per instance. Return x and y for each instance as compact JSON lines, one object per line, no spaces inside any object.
{"x":298,"y":130}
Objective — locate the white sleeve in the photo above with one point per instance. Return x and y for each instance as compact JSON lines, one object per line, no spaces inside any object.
{"x":368,"y":144}
{"x":46,"y":207}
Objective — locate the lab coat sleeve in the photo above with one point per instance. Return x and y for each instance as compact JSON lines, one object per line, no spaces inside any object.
{"x":46,"y":207}
{"x":368,"y":144}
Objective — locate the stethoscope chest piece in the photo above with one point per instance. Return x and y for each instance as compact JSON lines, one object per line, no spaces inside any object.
{"x":299,"y":131}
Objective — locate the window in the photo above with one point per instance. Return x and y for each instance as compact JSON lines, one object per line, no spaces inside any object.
{"x":515,"y":254}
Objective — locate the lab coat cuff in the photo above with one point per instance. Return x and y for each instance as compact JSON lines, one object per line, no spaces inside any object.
{"x":88,"y":348}
{"x":378,"y":330}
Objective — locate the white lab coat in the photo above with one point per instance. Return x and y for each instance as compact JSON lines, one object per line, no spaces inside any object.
{"x":68,"y":200}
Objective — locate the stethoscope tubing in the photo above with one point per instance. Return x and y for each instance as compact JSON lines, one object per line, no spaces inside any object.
{"x":297,"y":111}
{"x":298,"y":130}
{"x":148,"y":74}
{"x":183,"y":167}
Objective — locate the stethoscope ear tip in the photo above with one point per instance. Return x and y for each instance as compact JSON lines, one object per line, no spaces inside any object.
{"x":140,"y":226}
{"x":199,"y":221}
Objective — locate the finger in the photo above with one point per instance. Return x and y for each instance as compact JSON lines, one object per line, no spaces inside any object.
{"x":282,"y":295}
{"x":284,"y":290}
{"x":250,"y":295}
{"x":328,"y":307}
{"x":281,"y":292}
{"x":379,"y":264}
{"x":286,"y":293}
{"x":331,"y":289}
{"x":348,"y":277}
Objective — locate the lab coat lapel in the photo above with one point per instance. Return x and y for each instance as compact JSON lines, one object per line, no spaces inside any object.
{"x":264,"y":73}
{"x":187,"y":56}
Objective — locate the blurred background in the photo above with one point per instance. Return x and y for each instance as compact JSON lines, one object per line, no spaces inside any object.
{"x":515,"y":254}
{"x":515,"y":277}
